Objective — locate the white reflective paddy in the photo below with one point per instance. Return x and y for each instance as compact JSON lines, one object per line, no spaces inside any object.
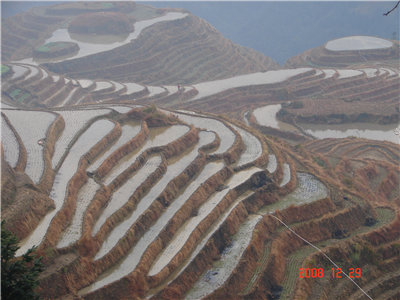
{"x":32,"y":127}
{"x":213,"y":87}
{"x":87,"y":140}
{"x":87,"y":48}
{"x":358,"y":43}
{"x":10,"y":144}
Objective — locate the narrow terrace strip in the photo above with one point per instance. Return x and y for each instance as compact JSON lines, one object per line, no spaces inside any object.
{"x":158,"y":137}
{"x":129,"y":263}
{"x":155,"y":90}
{"x":19,"y":72}
{"x":309,"y":189}
{"x":68,"y":98}
{"x":74,"y":121}
{"x":270,"y":77}
{"x":344,"y":73}
{"x":272,"y":163}
{"x":266,"y":116}
{"x":132,"y":87}
{"x":202,"y":242}
{"x":329,"y":73}
{"x":121,"y":109}
{"x":253,"y":147}
{"x":32,"y":127}
{"x":226,"y":135}
{"x":74,"y":231}
{"x":10,"y":144}
{"x":119,"y":231}
{"x":222,"y":269}
{"x":85,"y":83}
{"x":129,"y":131}
{"x":182,"y":236}
{"x":86,"y":141}
{"x":102,"y":85}
{"x":286,"y":175}
{"x":121,"y":196}
{"x":34,"y":71}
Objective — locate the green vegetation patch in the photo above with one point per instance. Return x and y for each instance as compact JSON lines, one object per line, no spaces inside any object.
{"x":4,"y":69}
{"x":19,"y":95}
{"x":51,"y":46}
{"x":107,"y":5}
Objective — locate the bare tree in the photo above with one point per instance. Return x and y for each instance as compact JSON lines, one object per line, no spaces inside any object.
{"x":387,"y":13}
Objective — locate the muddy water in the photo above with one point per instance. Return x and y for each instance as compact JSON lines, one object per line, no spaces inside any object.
{"x":184,"y":232}
{"x":87,"y":140}
{"x":266,"y":116}
{"x":222,"y":269}
{"x":308,"y":189}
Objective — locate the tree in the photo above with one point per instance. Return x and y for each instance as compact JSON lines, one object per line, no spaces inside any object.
{"x":19,"y":275}
{"x":387,"y":13}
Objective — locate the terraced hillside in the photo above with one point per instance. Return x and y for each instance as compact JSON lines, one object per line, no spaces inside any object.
{"x":347,"y":51}
{"x":174,"y":47}
{"x":140,"y":199}
{"x":149,"y":170}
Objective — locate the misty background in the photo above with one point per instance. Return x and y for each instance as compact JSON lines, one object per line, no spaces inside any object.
{"x":280,"y":30}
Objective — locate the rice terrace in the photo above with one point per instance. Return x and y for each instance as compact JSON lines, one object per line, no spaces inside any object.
{"x":147,"y":156}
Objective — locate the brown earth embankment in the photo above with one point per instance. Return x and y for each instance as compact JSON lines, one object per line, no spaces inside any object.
{"x":122,"y":151}
{"x":53,"y":133}
{"x":21,"y":197}
{"x":64,"y":216}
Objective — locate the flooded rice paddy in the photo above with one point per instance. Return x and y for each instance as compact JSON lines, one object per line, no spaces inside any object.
{"x":74,"y":231}
{"x":186,"y":229}
{"x":308,"y":189}
{"x":87,"y":140}
{"x":266,"y":116}
{"x":158,"y":137}
{"x":10,"y":144}
{"x":22,"y":121}
{"x":209,"y":88}
{"x":216,"y":276}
